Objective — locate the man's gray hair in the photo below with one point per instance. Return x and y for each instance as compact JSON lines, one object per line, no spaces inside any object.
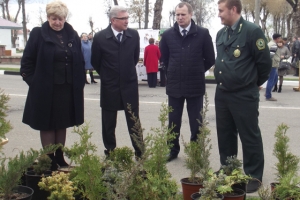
{"x":114,"y":11}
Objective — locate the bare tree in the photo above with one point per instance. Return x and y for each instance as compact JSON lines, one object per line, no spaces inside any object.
{"x":203,"y":10}
{"x":295,"y":17}
{"x":137,"y":11}
{"x":157,"y":14}
{"x":24,"y":22}
{"x":6,"y":15}
{"x":146,"y":14}
{"x":171,"y":17}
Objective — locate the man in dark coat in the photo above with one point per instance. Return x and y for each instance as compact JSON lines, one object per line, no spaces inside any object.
{"x":243,"y":64}
{"x":115,"y":53}
{"x":187,"y":52}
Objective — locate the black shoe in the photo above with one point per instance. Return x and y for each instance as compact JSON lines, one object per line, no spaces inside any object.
{"x":171,"y":157}
{"x":87,"y":82}
{"x":253,"y":186}
{"x":59,"y":156}
{"x":107,"y":152}
{"x":93,"y":81}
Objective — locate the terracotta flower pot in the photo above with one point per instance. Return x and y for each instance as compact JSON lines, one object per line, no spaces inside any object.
{"x":237,"y":194}
{"x":189,"y":188}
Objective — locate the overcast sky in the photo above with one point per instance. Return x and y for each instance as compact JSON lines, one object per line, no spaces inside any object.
{"x":80,"y":13}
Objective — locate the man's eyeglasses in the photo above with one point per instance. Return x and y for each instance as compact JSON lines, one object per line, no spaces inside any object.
{"x":122,"y":18}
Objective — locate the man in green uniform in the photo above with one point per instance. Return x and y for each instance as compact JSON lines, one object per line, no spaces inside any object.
{"x":243,"y":64}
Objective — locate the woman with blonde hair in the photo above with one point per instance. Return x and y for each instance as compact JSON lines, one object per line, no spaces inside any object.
{"x":52,"y":65}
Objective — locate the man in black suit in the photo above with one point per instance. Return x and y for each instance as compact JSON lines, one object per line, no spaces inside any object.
{"x":187,"y":52}
{"x":115,"y":53}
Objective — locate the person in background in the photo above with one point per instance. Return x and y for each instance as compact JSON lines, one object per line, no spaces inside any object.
{"x":273,"y":77}
{"x":286,"y":43}
{"x":115,"y":53}
{"x":243,"y":64}
{"x":296,"y":55}
{"x":161,"y":69}
{"x":87,"y":53}
{"x":90,"y":37}
{"x":281,"y":53}
{"x":187,"y":52}
{"x":151,"y":60}
{"x":53,"y":67}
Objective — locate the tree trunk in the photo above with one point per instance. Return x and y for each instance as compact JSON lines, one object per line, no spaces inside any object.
{"x":157,"y":14}
{"x":116,"y":2}
{"x":146,"y":13}
{"x":296,"y":23}
{"x":24,"y":23}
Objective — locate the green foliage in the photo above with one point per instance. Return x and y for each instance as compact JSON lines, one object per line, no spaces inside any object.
{"x":209,"y":190}
{"x":264,"y":193}
{"x":288,"y":187}
{"x":5,"y":125}
{"x":121,"y":158}
{"x":198,"y":152}
{"x":43,"y":164}
{"x":148,"y":178}
{"x":59,"y":186}
{"x":286,"y":161}
{"x":87,"y":175}
{"x":223,"y":181}
{"x":11,"y":172}
{"x":158,"y":145}
{"x":232,"y":163}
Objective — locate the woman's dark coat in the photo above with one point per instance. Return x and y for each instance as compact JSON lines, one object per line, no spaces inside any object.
{"x":37,"y":72}
{"x":115,"y":63}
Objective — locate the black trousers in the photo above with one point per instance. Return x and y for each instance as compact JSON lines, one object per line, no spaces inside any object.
{"x":152,"y":79}
{"x":237,"y":114}
{"x":194,"y":106}
{"x":162,"y":77}
{"x":109,"y":122}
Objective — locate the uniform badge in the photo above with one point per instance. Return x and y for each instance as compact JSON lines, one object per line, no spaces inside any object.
{"x":70,"y":44}
{"x":237,"y":53}
{"x":260,"y":43}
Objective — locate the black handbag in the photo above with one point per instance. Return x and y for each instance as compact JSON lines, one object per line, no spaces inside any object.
{"x":284,"y":64}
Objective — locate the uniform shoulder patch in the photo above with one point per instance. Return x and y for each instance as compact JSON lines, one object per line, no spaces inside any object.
{"x":260,"y":43}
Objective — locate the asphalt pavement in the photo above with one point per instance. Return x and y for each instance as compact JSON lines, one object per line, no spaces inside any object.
{"x":285,"y":110}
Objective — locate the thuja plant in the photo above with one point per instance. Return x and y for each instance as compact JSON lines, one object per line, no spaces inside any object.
{"x":5,"y":125}
{"x":286,"y":160}
{"x":87,"y":175}
{"x":59,"y":186}
{"x":148,"y":178}
{"x":198,"y":152}
{"x":288,"y":187}
{"x":11,"y":170}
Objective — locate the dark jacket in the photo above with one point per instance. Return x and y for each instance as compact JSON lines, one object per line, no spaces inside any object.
{"x":186,"y":59}
{"x":115,"y":62}
{"x":37,"y":72}
{"x":244,"y":59}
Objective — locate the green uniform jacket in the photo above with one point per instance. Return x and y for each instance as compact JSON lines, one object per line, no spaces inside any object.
{"x":243,"y":59}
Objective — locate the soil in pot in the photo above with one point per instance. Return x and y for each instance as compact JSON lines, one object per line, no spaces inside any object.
{"x":189,"y":188}
{"x":32,"y":181}
{"x":21,"y":192}
{"x":237,"y":194}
